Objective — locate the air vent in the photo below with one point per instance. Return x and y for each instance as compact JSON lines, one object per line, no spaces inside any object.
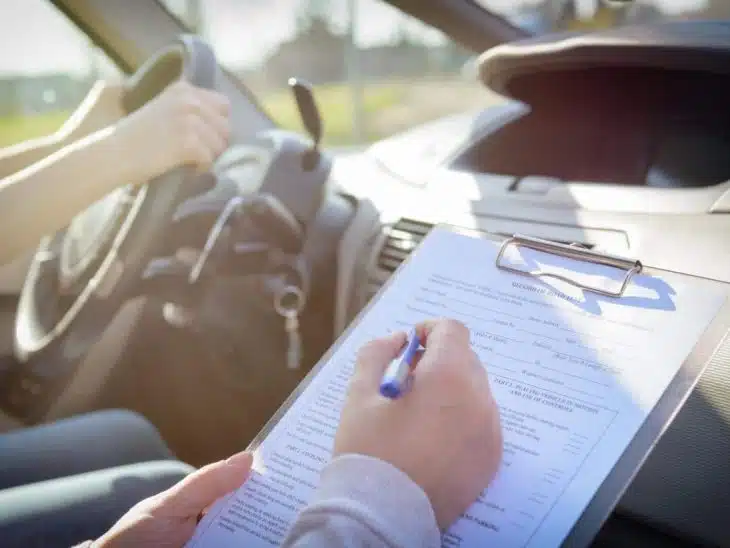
{"x":400,"y":240}
{"x":392,"y":247}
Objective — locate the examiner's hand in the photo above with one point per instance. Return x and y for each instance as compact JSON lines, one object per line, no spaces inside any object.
{"x":444,"y":434}
{"x":169,"y":519}
{"x":183,"y":126}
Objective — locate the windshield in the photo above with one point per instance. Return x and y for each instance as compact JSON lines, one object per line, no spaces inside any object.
{"x":541,"y":16}
{"x":40,"y":87}
{"x":377,"y":71}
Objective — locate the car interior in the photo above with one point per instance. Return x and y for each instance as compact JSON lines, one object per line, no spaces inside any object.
{"x":175,"y":302}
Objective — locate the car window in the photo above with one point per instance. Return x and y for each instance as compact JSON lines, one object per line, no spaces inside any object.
{"x":47,"y":65}
{"x":376,"y":71}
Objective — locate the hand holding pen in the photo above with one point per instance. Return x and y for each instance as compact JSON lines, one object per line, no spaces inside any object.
{"x":397,"y":377}
{"x":443,"y":432}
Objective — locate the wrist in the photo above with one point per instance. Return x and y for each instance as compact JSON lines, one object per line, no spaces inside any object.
{"x":105,"y":153}
{"x":143,"y":160}
{"x":122,"y":146}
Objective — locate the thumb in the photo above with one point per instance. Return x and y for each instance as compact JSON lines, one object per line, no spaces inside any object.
{"x":374,"y":357}
{"x":202,"y":488}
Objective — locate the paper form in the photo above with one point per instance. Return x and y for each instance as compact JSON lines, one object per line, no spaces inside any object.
{"x":574,"y":378}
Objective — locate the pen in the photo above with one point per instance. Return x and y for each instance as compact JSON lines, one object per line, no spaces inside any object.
{"x":395,"y":379}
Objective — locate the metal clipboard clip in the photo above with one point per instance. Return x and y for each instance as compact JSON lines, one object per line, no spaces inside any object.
{"x":575,"y":252}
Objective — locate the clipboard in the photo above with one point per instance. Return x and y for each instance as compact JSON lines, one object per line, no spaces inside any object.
{"x":711,"y":343}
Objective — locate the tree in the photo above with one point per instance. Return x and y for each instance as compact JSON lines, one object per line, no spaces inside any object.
{"x":313,"y":14}
{"x":193,"y":15}
{"x":716,"y":9}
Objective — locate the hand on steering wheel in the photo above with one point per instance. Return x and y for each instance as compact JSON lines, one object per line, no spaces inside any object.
{"x":183,"y":126}
{"x":82,"y":275}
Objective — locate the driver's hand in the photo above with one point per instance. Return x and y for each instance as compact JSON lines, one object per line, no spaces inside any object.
{"x":170,"y":518}
{"x":183,"y":126}
{"x":444,"y":433}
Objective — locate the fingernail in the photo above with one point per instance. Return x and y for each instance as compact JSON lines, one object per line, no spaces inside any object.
{"x":243,"y":458}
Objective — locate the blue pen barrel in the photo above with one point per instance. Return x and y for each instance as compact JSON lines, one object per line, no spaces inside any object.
{"x":396,"y":376}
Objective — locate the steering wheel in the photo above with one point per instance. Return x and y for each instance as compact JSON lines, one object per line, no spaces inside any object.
{"x":80,"y":276}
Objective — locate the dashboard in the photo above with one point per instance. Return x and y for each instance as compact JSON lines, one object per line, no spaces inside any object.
{"x":432,"y":175}
{"x":682,"y":228}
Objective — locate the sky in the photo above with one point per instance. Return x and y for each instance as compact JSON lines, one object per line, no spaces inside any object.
{"x":35,"y":38}
{"x":226,"y":22}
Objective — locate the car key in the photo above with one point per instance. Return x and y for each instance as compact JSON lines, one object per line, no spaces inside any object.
{"x":294,"y":343}
{"x":288,"y":303}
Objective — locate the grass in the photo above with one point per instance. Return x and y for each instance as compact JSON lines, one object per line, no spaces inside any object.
{"x":336,"y":106}
{"x":14,"y":129}
{"x":388,"y":107}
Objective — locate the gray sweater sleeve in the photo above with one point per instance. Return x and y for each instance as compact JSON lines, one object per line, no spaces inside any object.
{"x":365,"y":502}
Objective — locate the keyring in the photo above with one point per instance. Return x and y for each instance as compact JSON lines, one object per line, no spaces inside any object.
{"x":289,"y":292}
